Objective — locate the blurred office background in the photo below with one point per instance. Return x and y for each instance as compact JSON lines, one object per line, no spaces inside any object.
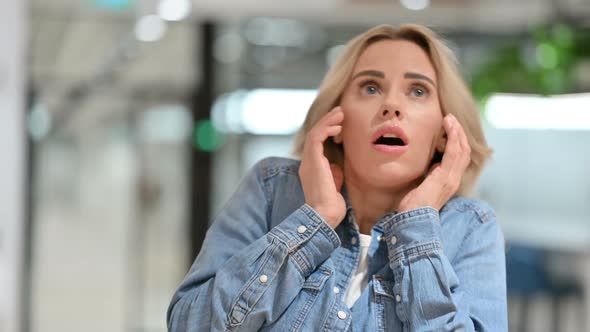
{"x":127,"y":123}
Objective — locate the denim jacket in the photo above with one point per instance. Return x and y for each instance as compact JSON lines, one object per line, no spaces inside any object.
{"x":269,"y":262}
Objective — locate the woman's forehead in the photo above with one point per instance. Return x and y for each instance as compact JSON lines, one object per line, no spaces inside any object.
{"x":395,"y":56}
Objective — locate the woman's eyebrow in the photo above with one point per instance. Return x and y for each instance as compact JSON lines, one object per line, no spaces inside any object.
{"x":420,"y":77}
{"x":375,"y":73}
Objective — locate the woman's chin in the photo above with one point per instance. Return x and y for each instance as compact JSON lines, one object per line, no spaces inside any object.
{"x":392,"y":174}
{"x":389,"y":177}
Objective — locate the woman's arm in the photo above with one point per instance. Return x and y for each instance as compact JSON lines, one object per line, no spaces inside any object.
{"x":435,"y":294}
{"x":242,"y":259}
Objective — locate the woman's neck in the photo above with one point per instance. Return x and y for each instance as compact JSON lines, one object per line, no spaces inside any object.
{"x":371,"y":203}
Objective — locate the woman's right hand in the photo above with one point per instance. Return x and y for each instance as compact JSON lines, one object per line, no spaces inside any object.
{"x":321,"y":181}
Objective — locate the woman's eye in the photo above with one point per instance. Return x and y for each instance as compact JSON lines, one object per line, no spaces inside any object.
{"x":419,"y":92}
{"x":371,"y":89}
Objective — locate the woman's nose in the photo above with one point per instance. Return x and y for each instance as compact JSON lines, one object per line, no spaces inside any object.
{"x":387,"y":113}
{"x":392,"y":106}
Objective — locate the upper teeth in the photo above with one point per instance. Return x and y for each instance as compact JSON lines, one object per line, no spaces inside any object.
{"x":389,"y":135}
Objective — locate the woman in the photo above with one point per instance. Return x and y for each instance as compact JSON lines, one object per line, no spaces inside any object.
{"x":366,"y":232}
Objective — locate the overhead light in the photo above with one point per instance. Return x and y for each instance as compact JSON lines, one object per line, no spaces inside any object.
{"x":263,"y":111}
{"x":150,"y":28}
{"x":174,"y":10}
{"x":561,"y":112}
{"x":112,"y":4}
{"x":415,"y":4}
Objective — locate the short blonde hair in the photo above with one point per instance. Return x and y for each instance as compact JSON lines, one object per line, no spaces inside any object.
{"x":454,"y":96}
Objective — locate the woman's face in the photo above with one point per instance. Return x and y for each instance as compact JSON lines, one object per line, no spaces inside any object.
{"x":392,"y":116}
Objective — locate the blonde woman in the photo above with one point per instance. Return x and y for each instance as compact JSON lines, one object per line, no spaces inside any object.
{"x":370,"y":231}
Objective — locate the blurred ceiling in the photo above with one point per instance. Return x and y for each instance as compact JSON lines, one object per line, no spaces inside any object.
{"x":80,"y":53}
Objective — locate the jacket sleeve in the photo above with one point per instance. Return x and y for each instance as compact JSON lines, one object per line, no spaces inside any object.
{"x":435,"y":294}
{"x":242,"y":259}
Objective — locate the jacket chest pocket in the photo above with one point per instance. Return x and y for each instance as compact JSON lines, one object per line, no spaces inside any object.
{"x":310,"y":292}
{"x":317,"y":280}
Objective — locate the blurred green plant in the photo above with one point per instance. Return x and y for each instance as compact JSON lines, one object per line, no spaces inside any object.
{"x":206,"y":137}
{"x":541,"y":65}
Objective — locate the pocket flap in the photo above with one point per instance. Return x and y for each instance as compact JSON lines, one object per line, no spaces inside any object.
{"x":318,"y":278}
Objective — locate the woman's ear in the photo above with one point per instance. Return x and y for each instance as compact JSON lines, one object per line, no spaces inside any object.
{"x":337,"y":139}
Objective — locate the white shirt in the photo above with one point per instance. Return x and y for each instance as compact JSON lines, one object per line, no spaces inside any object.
{"x":359,"y":278}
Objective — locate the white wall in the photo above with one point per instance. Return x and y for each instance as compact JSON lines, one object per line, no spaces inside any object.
{"x":538,"y":182}
{"x":12,"y":162}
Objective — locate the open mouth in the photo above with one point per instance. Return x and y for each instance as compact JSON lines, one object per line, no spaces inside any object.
{"x":390,"y":141}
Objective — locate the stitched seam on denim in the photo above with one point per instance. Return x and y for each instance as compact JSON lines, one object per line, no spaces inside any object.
{"x":326,"y":322}
{"x":483,"y":214}
{"x":274,"y":170}
{"x":414,"y":251}
{"x":267,"y":189}
{"x":323,"y":227}
{"x":302,"y":263}
{"x":410,"y":219}
{"x":348,"y":322}
{"x":313,"y":294}
{"x":412,"y":214}
{"x":294,"y":241}
{"x":278,"y":237}
{"x":400,"y":312}
{"x":379,"y":310}
{"x":325,"y":275}
{"x":242,"y":298}
{"x":329,"y":233}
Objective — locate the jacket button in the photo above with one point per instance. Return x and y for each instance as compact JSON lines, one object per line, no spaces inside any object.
{"x":393,"y":240}
{"x":341,"y":315}
{"x":301,"y":229}
{"x":263,"y":278}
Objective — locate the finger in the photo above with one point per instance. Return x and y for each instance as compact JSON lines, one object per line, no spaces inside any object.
{"x":314,"y":148}
{"x":335,"y":116}
{"x":465,"y":156}
{"x":458,"y":157}
{"x":328,"y":125}
{"x":321,"y":134}
{"x":330,"y":119}
{"x":453,"y":147}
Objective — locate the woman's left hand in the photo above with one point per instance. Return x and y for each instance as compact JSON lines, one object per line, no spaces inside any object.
{"x":444,"y":178}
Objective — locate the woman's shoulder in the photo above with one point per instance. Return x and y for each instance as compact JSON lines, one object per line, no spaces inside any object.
{"x":468,"y":223}
{"x":479,"y":209}
{"x":272,"y":166}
